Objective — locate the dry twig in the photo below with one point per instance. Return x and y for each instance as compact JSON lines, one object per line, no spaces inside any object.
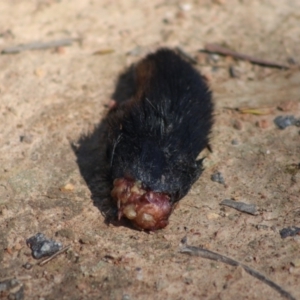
{"x":204,"y":253}
{"x":215,"y":48}
{"x":258,"y":111}
{"x":37,"y":46}
{"x":54,"y":255}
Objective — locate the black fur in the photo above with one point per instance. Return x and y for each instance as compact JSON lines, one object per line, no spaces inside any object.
{"x":156,"y":136}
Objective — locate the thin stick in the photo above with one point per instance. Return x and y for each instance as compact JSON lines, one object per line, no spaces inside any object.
{"x":215,"y":48}
{"x":204,"y":253}
{"x":54,"y":255}
{"x":186,"y":55}
{"x":38,"y":46}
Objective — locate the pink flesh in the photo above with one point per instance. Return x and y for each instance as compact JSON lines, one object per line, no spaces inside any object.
{"x":146,"y":209}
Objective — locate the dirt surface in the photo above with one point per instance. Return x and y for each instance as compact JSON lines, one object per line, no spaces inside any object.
{"x":52,"y":102}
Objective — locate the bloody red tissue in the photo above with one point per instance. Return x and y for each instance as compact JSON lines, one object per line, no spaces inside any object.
{"x":146,"y":209}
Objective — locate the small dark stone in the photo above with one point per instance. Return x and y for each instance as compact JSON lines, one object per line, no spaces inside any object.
{"x":262,"y":227}
{"x":4,"y":286}
{"x":26,"y":138}
{"x":234,"y":72}
{"x":297,"y":122}
{"x":241,"y":206}
{"x":188,"y":280}
{"x":218,"y":177}
{"x":41,"y":246}
{"x":284,"y":121}
{"x":291,"y":61}
{"x":27,"y":266}
{"x":234,"y":142}
{"x":289,"y":231}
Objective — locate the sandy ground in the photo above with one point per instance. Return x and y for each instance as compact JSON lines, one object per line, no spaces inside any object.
{"x":52,"y":102}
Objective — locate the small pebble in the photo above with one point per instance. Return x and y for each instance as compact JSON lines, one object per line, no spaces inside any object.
{"x":284,"y":121}
{"x":262,"y":124}
{"x":218,"y":177}
{"x":87,"y":240}
{"x":139,"y":273}
{"x":27,"y":138}
{"x":237,"y":124}
{"x":241,"y":206}
{"x":297,"y":122}
{"x":249,"y":259}
{"x":234,"y":72}
{"x":135,"y":51}
{"x":185,"y":6}
{"x":296,"y":262}
{"x":212,"y":216}
{"x":188,"y":280}
{"x":234,"y":142}
{"x":291,"y":61}
{"x":214,"y":57}
{"x":69,"y":187}
{"x":262,"y":227}
{"x":289,"y":231}
{"x":41,"y":246}
{"x":251,"y":75}
{"x":27,"y":266}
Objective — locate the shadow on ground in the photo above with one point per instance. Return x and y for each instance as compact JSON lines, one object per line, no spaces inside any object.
{"x":92,"y":157}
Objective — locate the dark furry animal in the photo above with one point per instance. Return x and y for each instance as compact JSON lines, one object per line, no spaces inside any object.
{"x":155,"y":137}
